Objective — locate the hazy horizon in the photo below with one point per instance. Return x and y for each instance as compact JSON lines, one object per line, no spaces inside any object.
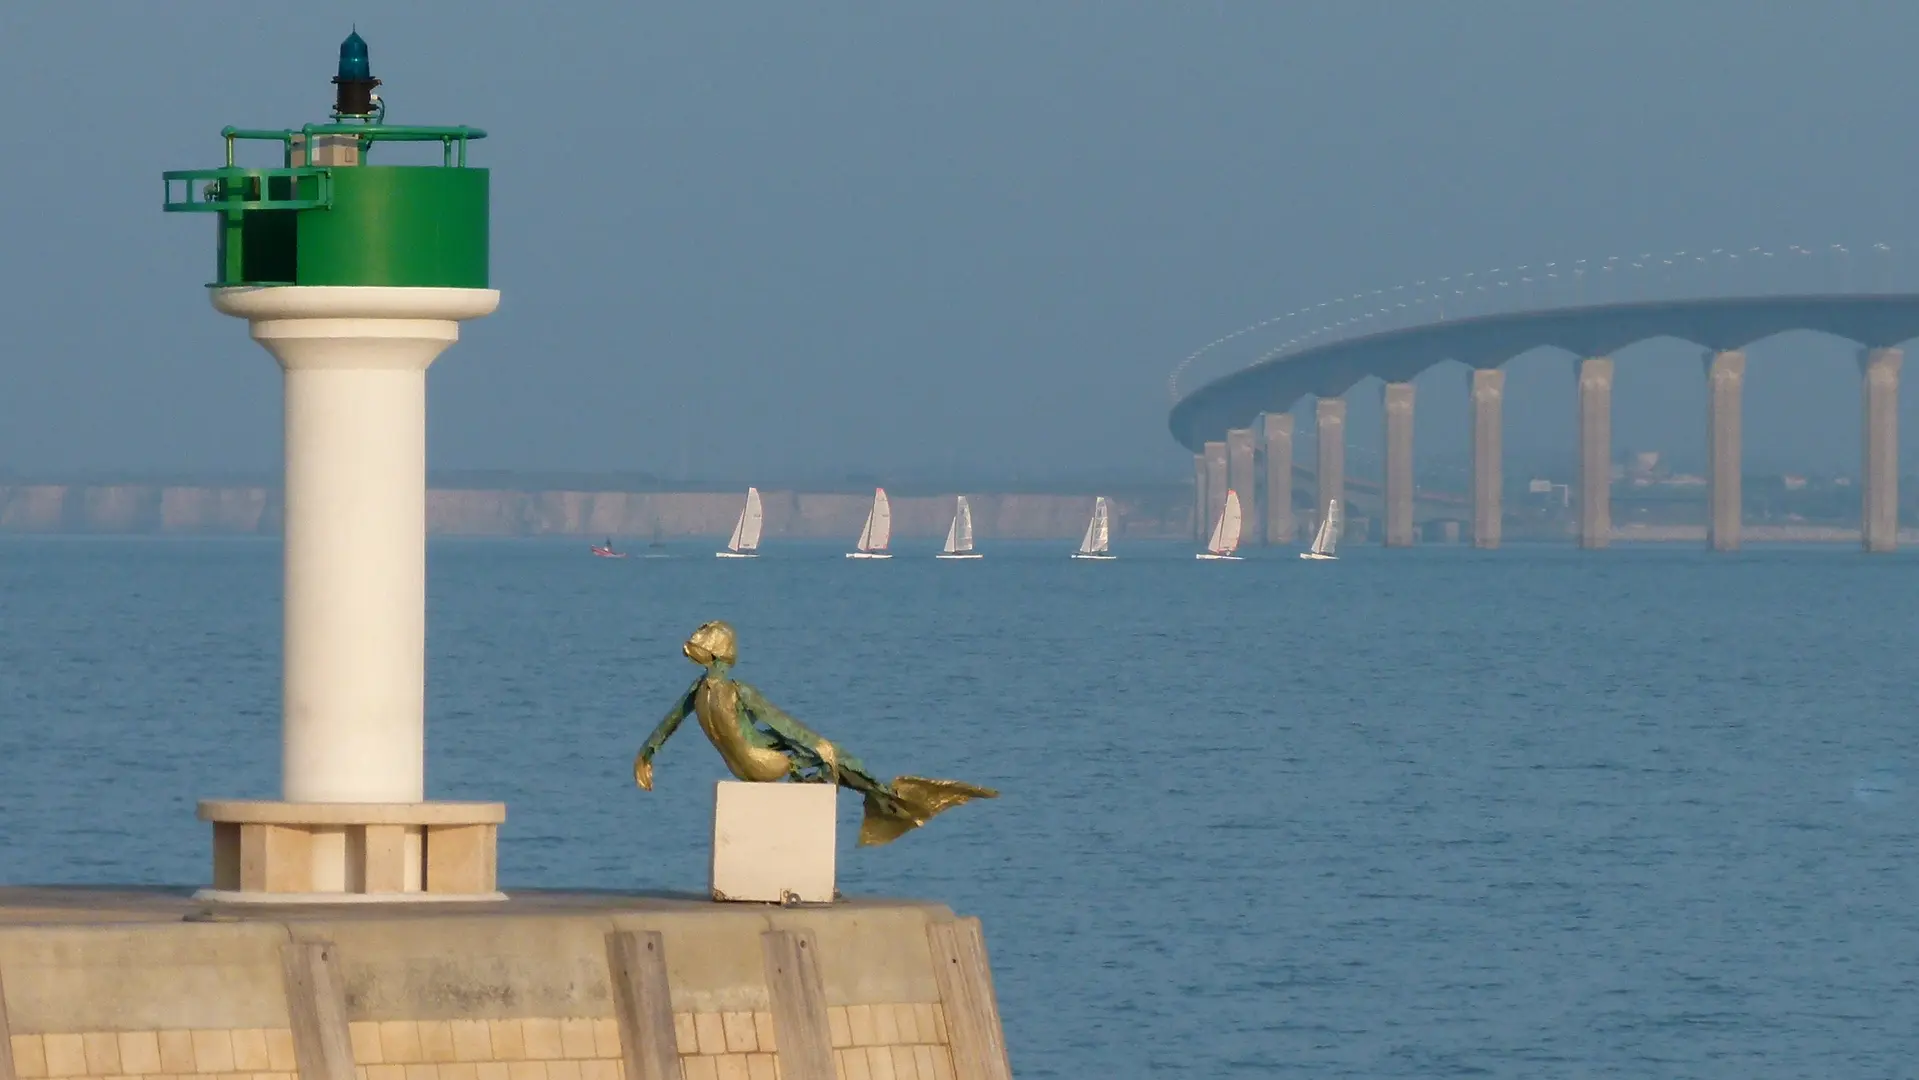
{"x":854,"y":239}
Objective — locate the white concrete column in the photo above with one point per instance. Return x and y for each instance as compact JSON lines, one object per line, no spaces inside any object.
{"x":1239,"y":474}
{"x":1277,"y":435}
{"x":1595,"y":452}
{"x":1879,"y":487}
{"x":1397,"y":403}
{"x":1200,"y":502}
{"x":355,"y":360}
{"x":1215,"y":486}
{"x":1725,"y":381}
{"x":1329,"y":415}
{"x":1488,"y":400}
{"x":355,"y":590}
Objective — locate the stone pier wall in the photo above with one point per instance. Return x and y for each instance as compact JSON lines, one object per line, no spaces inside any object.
{"x":434,"y":995}
{"x":906,"y":1041}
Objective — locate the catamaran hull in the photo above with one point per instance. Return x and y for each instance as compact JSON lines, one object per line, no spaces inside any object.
{"x":1094,"y":556}
{"x":736,"y":554}
{"x":869,"y":554}
{"x":1316,"y":556}
{"x":959,"y":555}
{"x":1211,"y":556}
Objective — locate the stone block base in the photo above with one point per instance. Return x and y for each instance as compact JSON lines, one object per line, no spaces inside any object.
{"x":774,"y":843}
{"x":279,"y":852}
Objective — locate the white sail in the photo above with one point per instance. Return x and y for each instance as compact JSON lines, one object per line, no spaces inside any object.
{"x":1226,"y":530}
{"x":879,"y":524}
{"x":746,"y":532}
{"x":1097,"y":535}
{"x":959,"y":535}
{"x":1328,"y":536}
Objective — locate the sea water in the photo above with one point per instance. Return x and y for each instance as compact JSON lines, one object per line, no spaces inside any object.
{"x":1535,"y":812}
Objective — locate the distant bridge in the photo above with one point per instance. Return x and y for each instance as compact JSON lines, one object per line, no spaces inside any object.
{"x":1241,"y":430}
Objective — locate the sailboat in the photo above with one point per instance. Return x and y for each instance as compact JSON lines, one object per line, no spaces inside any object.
{"x":656,"y":550}
{"x":1328,"y":536}
{"x":1225,"y":538}
{"x":1098,"y":535}
{"x":745,"y":542}
{"x":959,"y":535}
{"x":878,"y":531}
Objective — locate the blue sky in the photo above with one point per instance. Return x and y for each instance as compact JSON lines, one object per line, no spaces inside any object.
{"x":764,"y":237}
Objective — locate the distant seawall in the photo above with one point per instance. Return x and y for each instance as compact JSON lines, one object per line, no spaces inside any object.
{"x":240,"y":510}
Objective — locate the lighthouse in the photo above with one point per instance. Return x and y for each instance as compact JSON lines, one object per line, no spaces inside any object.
{"x":353,"y":263}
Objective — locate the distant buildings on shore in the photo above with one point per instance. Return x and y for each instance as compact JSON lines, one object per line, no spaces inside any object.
{"x":1647,"y":490}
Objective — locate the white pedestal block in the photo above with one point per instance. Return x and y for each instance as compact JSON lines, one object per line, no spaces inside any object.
{"x":774,"y":843}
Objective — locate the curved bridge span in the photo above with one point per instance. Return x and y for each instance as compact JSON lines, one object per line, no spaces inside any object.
{"x":1240,"y":428}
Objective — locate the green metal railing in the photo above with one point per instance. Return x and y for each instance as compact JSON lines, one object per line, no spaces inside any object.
{"x":234,"y":190}
{"x":452,"y":140}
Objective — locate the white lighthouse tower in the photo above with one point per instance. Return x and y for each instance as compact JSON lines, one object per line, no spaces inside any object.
{"x":355,"y":275}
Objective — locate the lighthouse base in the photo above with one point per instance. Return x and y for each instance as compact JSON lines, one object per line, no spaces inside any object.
{"x":300,"y":853}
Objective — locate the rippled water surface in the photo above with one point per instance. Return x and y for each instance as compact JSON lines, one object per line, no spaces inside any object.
{"x":1644,"y":812}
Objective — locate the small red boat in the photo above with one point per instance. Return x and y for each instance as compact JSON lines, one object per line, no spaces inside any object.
{"x":605,"y":551}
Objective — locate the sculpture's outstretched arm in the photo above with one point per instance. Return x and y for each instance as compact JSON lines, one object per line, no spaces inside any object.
{"x":643,"y":763}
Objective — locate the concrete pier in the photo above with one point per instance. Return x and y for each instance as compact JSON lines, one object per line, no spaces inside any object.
{"x":1200,"y":503}
{"x":1879,"y":492}
{"x":1397,"y":401}
{"x":1725,"y":381}
{"x":1488,"y":400}
{"x":1276,"y":440}
{"x":132,"y":984}
{"x":1240,"y":475}
{"x":1330,"y":416}
{"x":1215,"y":487}
{"x":1595,"y":451}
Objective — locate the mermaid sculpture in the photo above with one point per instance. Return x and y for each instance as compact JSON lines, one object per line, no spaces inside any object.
{"x":760,"y":743}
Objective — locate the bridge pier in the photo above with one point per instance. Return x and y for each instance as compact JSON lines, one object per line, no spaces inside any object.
{"x":1489,"y":396}
{"x":1595,"y":451}
{"x":1276,"y":439}
{"x":1200,"y":524}
{"x":1215,"y":488}
{"x":1330,"y":416}
{"x":1239,"y":477}
{"x":1725,"y":381}
{"x":1397,"y":401}
{"x":1879,"y":491}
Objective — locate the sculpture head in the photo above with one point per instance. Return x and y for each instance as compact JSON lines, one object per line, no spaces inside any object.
{"x":712,"y":641}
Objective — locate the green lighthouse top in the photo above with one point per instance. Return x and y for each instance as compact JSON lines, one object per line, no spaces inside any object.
{"x":328,"y":216}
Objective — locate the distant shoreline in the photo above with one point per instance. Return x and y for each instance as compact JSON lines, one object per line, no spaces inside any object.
{"x":1144,"y":513}
{"x":1750,"y":534}
{"x":136,"y":509}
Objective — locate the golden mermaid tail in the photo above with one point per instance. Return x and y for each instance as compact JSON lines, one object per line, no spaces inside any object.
{"x":912,"y":801}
